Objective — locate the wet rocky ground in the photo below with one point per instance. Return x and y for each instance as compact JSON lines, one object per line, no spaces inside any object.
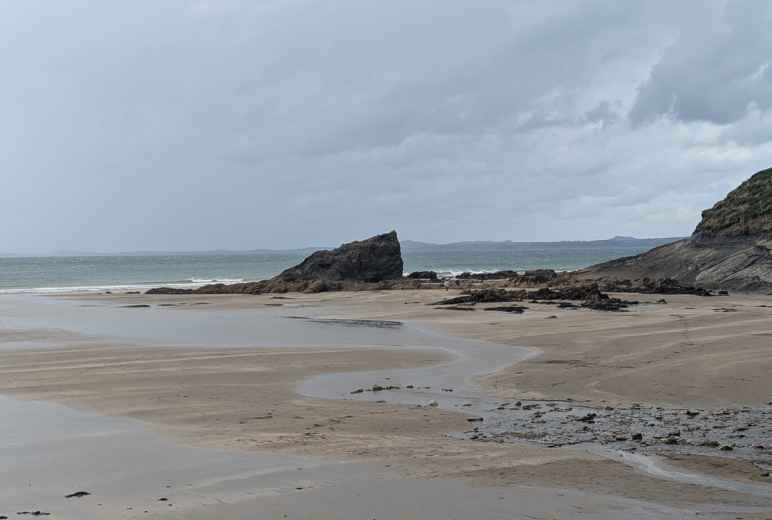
{"x":743,"y":433}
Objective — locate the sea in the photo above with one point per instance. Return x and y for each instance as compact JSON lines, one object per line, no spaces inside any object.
{"x":89,"y":272}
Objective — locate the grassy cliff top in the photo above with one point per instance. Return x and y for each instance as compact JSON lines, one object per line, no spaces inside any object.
{"x":746,"y":211}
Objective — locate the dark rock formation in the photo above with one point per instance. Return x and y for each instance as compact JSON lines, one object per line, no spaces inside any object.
{"x":484,"y":296}
{"x":649,"y":286}
{"x":538,"y":276}
{"x":598,"y":301}
{"x":78,"y":494}
{"x":590,"y":295}
{"x":527,"y":279}
{"x":513,"y":309}
{"x":373,"y":260}
{"x":730,"y":249}
{"x":375,"y":263}
{"x":496,"y":275}
{"x":571,"y":292}
{"x":423,"y":275}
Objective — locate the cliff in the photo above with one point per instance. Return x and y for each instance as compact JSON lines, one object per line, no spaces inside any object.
{"x":731,"y":248}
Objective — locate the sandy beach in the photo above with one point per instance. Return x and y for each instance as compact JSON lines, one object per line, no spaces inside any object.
{"x":192,"y":391}
{"x":396,"y":260}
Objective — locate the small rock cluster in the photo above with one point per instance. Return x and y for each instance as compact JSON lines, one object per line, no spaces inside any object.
{"x":376,"y":388}
{"x":590,"y":296}
{"x":656,"y":286}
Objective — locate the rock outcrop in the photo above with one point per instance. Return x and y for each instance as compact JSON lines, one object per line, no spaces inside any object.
{"x":424,"y":275}
{"x":367,"y":264}
{"x":530,"y":278}
{"x":591,"y":296}
{"x":731,"y":248}
{"x":649,"y":286}
{"x":373,"y":260}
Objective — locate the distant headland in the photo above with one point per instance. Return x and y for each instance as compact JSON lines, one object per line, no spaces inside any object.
{"x":731,"y":248}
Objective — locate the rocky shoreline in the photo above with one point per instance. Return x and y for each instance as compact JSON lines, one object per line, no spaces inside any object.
{"x":376,"y":264}
{"x":730,"y":249}
{"x":735,"y":438}
{"x":737,"y":432}
{"x":740,"y":433}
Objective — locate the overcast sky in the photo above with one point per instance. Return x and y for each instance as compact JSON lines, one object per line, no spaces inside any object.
{"x":201,"y":124}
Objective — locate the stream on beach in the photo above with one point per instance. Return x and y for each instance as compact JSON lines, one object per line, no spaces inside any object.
{"x":49,"y":450}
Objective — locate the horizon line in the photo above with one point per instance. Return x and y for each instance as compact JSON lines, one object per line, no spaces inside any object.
{"x":180,"y":252}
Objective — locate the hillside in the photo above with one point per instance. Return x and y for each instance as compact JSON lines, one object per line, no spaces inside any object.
{"x":746,"y":211}
{"x":731,"y":248}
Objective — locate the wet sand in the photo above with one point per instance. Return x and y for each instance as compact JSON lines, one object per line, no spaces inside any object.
{"x":241,"y":393}
{"x":131,"y":473}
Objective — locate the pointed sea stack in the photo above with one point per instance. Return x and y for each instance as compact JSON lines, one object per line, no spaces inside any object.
{"x":373,"y":260}
{"x":731,"y":248}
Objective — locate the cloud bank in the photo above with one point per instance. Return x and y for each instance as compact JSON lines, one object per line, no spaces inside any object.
{"x":193,"y":124}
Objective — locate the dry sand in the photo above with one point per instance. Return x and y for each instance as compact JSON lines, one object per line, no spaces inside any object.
{"x":684,"y":353}
{"x":693,"y":351}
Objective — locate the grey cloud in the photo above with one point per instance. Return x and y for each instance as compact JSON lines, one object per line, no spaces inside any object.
{"x":234,"y":123}
{"x":714,"y":72}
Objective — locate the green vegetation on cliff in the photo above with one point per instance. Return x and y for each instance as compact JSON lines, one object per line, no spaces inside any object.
{"x":746,"y":211}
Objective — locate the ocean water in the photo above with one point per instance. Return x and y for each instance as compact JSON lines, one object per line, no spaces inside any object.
{"x":138,"y":272}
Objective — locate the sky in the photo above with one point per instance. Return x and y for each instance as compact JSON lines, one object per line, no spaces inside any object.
{"x":240,"y":124}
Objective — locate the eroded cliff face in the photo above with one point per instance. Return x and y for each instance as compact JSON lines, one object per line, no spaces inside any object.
{"x":731,"y":248}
